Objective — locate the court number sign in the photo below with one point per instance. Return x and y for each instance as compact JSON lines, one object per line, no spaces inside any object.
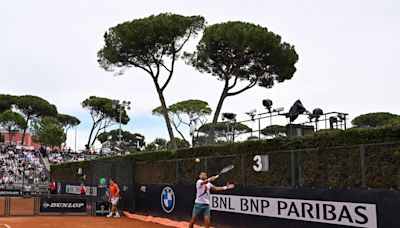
{"x":261,"y":163}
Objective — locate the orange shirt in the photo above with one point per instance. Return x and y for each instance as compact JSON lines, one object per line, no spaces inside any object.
{"x":114,"y":190}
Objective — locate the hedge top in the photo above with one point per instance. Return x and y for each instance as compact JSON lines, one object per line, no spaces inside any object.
{"x":321,"y":139}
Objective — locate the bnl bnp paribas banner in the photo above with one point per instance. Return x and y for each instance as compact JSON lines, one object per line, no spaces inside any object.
{"x":340,"y":213}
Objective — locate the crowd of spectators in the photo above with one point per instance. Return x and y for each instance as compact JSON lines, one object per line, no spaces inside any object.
{"x":23,"y":167}
{"x":18,"y":164}
{"x":57,"y":156}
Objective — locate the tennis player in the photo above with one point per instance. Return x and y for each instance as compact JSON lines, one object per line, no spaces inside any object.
{"x":202,"y":202}
{"x":114,"y":197}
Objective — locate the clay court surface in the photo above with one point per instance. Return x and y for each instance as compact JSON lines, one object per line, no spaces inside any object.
{"x":22,"y":215}
{"x":22,"y":209}
{"x":74,"y":222}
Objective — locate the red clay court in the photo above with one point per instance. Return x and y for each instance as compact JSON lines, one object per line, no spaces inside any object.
{"x":74,"y":221}
{"x":22,"y":215}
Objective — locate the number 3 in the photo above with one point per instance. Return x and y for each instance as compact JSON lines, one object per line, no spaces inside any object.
{"x":258,"y":166}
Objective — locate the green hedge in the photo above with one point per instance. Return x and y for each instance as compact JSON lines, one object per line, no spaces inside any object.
{"x":67,"y":171}
{"x":328,"y":158}
{"x":353,"y":136}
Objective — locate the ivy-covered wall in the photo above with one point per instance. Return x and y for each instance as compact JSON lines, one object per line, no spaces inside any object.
{"x":350,"y":158}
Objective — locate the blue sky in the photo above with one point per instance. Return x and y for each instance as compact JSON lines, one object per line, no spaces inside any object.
{"x":348,"y":55}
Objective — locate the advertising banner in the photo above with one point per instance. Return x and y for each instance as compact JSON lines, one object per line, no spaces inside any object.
{"x":56,"y":204}
{"x":76,"y":189}
{"x":5,"y":192}
{"x":340,"y":213}
{"x":249,"y":206}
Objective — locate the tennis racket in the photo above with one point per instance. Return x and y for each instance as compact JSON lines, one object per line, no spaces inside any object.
{"x":225,"y":170}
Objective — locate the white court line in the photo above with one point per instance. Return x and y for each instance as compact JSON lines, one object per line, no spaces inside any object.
{"x":7,"y":226}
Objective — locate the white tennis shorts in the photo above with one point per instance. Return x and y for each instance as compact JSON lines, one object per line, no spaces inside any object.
{"x":114,"y":200}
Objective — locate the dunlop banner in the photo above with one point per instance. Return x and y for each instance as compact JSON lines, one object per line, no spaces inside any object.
{"x":57,"y":204}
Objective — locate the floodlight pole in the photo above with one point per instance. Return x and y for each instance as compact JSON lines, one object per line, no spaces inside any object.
{"x":75,"y":137}
{"x":120,"y":117}
{"x":120,"y":106}
{"x":233,"y":131}
{"x":270,"y":118}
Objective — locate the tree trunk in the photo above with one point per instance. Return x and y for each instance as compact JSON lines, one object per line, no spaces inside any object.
{"x":10,"y":135}
{"x":211,"y":134}
{"x":165,"y":112}
{"x":24,"y":132}
{"x":66,"y":136}
{"x":196,"y":138}
{"x":96,"y":135}
{"x":180,"y":133}
{"x":91,"y":132}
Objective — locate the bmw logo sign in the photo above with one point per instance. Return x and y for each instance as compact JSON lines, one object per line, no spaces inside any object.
{"x":168,"y":199}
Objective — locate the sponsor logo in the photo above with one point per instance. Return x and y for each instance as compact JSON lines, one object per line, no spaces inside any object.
{"x":9,"y":192}
{"x":63,"y":205}
{"x":340,"y":213}
{"x":76,"y":189}
{"x":167,"y":199}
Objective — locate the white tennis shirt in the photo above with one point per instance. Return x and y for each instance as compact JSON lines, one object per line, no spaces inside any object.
{"x":203,"y":192}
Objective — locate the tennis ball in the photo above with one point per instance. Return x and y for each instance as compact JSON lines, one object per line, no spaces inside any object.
{"x":197,"y":160}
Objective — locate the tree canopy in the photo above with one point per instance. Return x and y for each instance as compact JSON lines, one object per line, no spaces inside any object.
{"x":192,"y":108}
{"x":221,"y":130}
{"x":375,"y":119}
{"x":180,"y":143}
{"x":103,"y":114}
{"x":12,"y":122}
{"x":68,"y":121}
{"x":157,"y":145}
{"x":6,"y":102}
{"x":395,"y":121}
{"x":274,"y":131}
{"x":152,"y":44}
{"x":34,"y":107}
{"x":48,"y":131}
{"x":242,"y":52}
{"x":252,"y":138}
{"x":128,"y":139}
{"x":186,"y":112}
